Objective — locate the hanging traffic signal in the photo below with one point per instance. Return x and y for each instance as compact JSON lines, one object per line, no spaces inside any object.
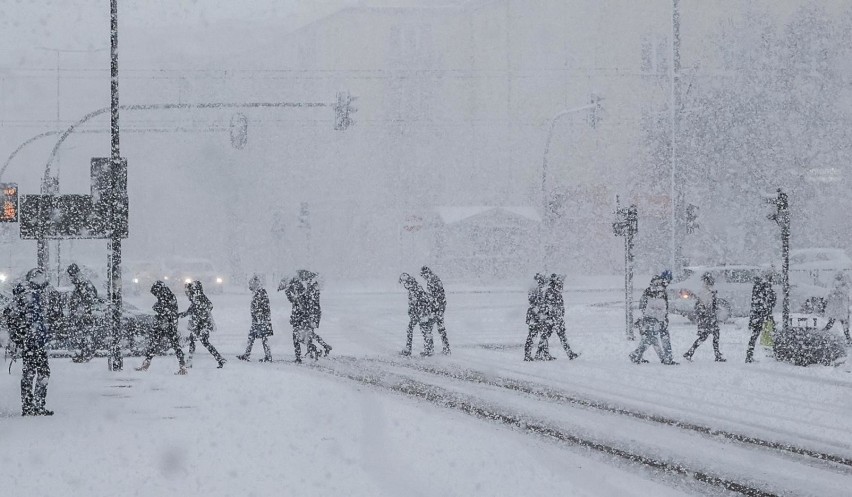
{"x":9,"y":205}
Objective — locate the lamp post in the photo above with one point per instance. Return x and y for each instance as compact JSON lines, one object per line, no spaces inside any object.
{"x":594,"y":107}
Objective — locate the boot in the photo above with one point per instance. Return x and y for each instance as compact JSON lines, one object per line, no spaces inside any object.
{"x":573,"y":355}
{"x":446,"y":350}
{"x":145,"y":365}
{"x":39,"y":399}
{"x":528,"y":357}
{"x":406,"y":353}
{"x":181,"y":370}
{"x":221,"y":363}
{"x":189,"y":361}
{"x":688,"y":356}
{"x":266,"y":359}
{"x":719,"y":358}
{"x":243,"y":357}
{"x":327,"y":350}
{"x":27,"y":408}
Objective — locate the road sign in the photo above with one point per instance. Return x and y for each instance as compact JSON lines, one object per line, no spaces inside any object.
{"x":9,"y":203}
{"x":109,"y":196}
{"x":58,"y":217}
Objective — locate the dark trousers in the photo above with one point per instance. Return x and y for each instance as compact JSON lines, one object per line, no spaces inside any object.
{"x":703,"y":333}
{"x":310,"y":348}
{"x":534,"y":330}
{"x":544,"y":345}
{"x":267,"y":353}
{"x":426,"y":329}
{"x":650,"y":332}
{"x":173,"y":341}
{"x":204,"y":338}
{"x":36,"y":369}
{"x":442,"y":331}
{"x":84,"y":333}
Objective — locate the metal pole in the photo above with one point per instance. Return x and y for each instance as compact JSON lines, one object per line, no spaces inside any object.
{"x":675,"y":104}
{"x":784,"y":219}
{"x":114,"y":245}
{"x":631,"y":232}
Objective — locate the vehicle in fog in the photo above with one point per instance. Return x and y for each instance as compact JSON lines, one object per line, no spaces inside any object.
{"x":182,"y":271}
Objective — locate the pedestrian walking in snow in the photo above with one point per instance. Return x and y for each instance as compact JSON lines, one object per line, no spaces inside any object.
{"x":314,"y":310}
{"x":535,"y":313}
{"x":301,"y":317}
{"x":29,"y":313}
{"x":261,"y":320}
{"x":81,"y":306}
{"x":837,"y":305}
{"x":438,"y":299}
{"x":705,"y":314}
{"x":654,"y":324}
{"x":165,"y":327}
{"x":420,"y":312}
{"x":200,"y":315}
{"x":554,"y":313}
{"x":762,"y":302}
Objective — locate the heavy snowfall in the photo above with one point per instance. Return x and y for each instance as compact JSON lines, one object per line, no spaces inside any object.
{"x":426,"y":247}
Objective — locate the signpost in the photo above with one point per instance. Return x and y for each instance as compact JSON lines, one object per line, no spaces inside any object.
{"x":627,"y":225}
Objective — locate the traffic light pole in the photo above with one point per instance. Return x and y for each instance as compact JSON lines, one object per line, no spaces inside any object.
{"x":782,"y":217}
{"x":114,"y":244}
{"x":627,"y":225}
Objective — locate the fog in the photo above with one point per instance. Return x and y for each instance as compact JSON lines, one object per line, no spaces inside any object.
{"x":445,"y":162}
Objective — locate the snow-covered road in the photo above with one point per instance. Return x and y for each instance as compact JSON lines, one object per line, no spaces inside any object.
{"x":479,"y":422}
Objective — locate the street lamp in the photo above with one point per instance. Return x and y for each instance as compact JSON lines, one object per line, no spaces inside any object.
{"x":594,"y":107}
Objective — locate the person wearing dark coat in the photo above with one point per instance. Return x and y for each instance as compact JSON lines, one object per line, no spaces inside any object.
{"x":762,"y":303}
{"x":82,"y":304}
{"x":705,"y":314}
{"x":438,"y":298}
{"x":314,"y":311}
{"x":535,"y":314}
{"x":165,"y":327}
{"x":261,"y":320}
{"x":654,"y":324}
{"x":200,"y":315}
{"x":301,"y":315}
{"x":30,"y":308}
{"x":420,"y":312}
{"x":554,"y":320}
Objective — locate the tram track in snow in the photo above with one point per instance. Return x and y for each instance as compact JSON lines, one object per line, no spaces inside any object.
{"x":391,"y":375}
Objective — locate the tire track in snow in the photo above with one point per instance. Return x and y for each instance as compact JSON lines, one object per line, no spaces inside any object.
{"x":441,"y":397}
{"x":551,"y":394}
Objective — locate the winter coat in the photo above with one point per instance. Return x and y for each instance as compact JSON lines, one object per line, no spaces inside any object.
{"x":705,"y":311}
{"x":654,"y":304}
{"x":535,"y":312}
{"x":419,"y":304}
{"x":554,"y":307}
{"x":437,"y":295}
{"x":261,"y":316}
{"x":312,"y":303}
{"x":166,"y":313}
{"x":837,"y":303}
{"x":297,"y":294}
{"x":32,"y":311}
{"x":762,"y":301}
{"x":82,"y":303}
{"x":200,"y":314}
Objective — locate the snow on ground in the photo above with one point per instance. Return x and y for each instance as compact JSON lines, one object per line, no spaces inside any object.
{"x":283,"y":429}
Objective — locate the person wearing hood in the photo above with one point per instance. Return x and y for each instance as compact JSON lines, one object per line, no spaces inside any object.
{"x":31,"y":307}
{"x":554,"y":318}
{"x":837,"y":305}
{"x":438,"y":298}
{"x":200,"y":315}
{"x":301,"y":318}
{"x":165,"y":327}
{"x":705,"y":315}
{"x":762,"y":302}
{"x":653,"y":326}
{"x":314,"y":311}
{"x":81,"y":305}
{"x":261,"y":320}
{"x":535,"y":313}
{"x":420,"y":312}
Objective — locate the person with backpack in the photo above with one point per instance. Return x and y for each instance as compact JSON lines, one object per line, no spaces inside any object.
{"x":705,"y":315}
{"x":301,"y":314}
{"x":165,"y":327}
{"x":200,"y":315}
{"x":420,"y":312}
{"x":438,"y":298}
{"x":554,"y":320}
{"x":261,"y":320}
{"x":654,"y":305}
{"x":314,"y":311}
{"x":535,"y":314}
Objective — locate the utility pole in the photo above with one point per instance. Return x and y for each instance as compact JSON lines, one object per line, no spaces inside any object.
{"x":675,"y":105}
{"x":627,"y":225}
{"x":117,"y":168}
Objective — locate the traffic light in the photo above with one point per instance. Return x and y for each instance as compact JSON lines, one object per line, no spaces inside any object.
{"x":343,"y":111}
{"x":692,"y":219}
{"x":9,"y":206}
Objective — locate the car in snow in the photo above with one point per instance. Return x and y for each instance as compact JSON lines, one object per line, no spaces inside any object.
{"x":733,"y":284}
{"x":141,"y":275}
{"x":136,"y":324}
{"x":818,"y":266}
{"x":183,"y":271}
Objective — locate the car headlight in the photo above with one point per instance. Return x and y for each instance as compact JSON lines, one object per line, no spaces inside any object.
{"x":684,"y":295}
{"x":166,"y":278}
{"x":2,"y":276}
{"x":219,"y":280}
{"x":187,"y":280}
{"x":136,"y":280}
